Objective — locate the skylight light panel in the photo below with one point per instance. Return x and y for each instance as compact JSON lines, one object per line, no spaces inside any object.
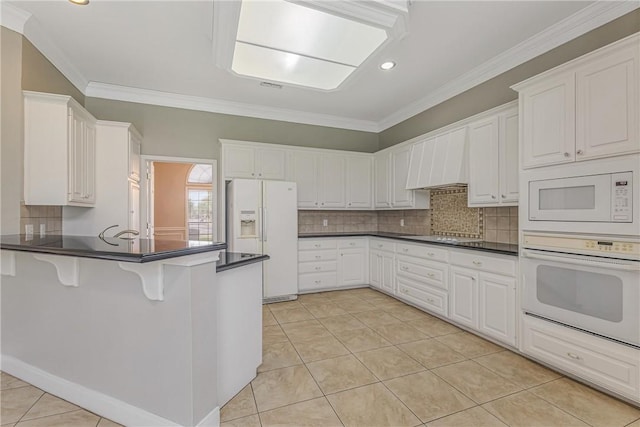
{"x":275,"y":65}
{"x":293,"y":28}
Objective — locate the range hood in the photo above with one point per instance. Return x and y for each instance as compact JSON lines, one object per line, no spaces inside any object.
{"x":439,"y":161}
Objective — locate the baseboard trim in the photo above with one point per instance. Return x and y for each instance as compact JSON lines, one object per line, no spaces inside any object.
{"x":212,"y":419}
{"x":94,"y":401}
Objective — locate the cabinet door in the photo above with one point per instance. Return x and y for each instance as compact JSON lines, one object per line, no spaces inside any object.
{"x":549,"y":122}
{"x":509,"y":175}
{"x":388,"y":275}
{"x":607,"y":106}
{"x":400,"y":196}
{"x":497,"y":307}
{"x":352,"y":265}
{"x":271,"y":163}
{"x":359,"y":185}
{"x":484,"y":174}
{"x":332,"y":181}
{"x":134,"y":206}
{"x":382,"y":180}
{"x":76,"y":157}
{"x":439,"y":153}
{"x":134,"y":157}
{"x":305,"y":175}
{"x":462,"y":297}
{"x":375,"y":269}
{"x":455,"y":170}
{"x":415,"y":161}
{"x":89,"y":164}
{"x":239,"y":162}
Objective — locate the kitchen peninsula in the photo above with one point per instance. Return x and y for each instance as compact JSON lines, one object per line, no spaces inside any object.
{"x":130,"y":329}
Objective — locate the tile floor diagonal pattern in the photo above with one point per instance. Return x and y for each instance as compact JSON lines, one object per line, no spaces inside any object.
{"x":330,"y":359}
{"x":362,"y":358}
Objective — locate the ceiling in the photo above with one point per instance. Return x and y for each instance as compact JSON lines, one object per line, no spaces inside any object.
{"x":161,"y":52}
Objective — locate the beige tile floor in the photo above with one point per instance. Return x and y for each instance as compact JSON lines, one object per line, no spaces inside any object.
{"x":361,"y":358}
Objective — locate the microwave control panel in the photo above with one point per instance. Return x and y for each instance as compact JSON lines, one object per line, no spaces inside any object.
{"x":622,"y":191}
{"x":625,"y":249}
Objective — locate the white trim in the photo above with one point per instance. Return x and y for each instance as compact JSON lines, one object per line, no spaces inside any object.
{"x":188,"y":102}
{"x":211,"y":420}
{"x":587,"y":19}
{"x":13,"y":18}
{"x":92,"y":400}
{"x":43,"y":42}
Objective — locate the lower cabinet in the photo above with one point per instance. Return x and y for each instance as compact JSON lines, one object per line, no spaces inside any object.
{"x":485,"y":302}
{"x":422,"y":295}
{"x":388,"y":275}
{"x":352,"y":267}
{"x":325,"y":263}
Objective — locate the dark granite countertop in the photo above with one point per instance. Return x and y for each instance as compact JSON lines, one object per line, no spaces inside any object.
{"x":114,"y":249}
{"x":229,"y":260}
{"x":500,"y":248}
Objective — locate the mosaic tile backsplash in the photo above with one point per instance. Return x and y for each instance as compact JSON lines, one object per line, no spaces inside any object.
{"x":451,"y":216}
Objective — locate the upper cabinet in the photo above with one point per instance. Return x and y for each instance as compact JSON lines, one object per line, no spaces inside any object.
{"x":135,"y":141}
{"x":253,"y":162}
{"x":332,"y":191}
{"x":585,"y":109}
{"x":59,"y":151}
{"x":391,"y":174}
{"x":493,"y":160}
{"x":439,"y":160}
{"x":359,"y":182}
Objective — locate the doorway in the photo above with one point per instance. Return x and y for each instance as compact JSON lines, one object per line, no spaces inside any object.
{"x":179,"y":198}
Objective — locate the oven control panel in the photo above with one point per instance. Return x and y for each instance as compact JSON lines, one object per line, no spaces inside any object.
{"x":617,"y":248}
{"x":622,"y":191}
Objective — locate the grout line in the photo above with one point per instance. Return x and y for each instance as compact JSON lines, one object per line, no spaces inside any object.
{"x":30,"y":407}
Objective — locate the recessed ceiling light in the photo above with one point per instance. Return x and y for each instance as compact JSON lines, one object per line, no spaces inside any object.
{"x":387,"y":65}
{"x":80,"y":2}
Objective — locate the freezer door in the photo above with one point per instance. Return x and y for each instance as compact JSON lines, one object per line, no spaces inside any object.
{"x":280,"y":238}
{"x":244,"y":216}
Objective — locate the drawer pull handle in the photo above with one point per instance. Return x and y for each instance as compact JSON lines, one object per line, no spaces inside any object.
{"x":318,"y":256}
{"x":431,"y":254}
{"x":352,"y":244}
{"x":574,"y":356}
{"x":317,"y":245}
{"x":405,"y":250}
{"x":318,"y":268}
{"x":404,"y":268}
{"x":430,"y":300}
{"x":430,"y":275}
{"x":477,"y":262}
{"x":379,"y":246}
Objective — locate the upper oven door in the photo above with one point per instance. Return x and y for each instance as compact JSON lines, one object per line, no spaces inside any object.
{"x":596,"y":294}
{"x":576,"y":199}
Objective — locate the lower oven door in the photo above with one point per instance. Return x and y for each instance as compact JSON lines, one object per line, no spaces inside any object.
{"x":599,"y":295}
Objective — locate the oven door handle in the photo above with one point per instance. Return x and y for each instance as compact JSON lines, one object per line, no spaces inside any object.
{"x":583,"y":260}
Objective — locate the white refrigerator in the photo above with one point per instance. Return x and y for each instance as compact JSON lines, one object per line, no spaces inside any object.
{"x":262,"y":217}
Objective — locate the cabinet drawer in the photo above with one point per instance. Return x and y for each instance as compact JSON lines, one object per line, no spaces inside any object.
{"x":491,"y":264}
{"x":382,"y":245}
{"x":324,"y":255}
{"x":311,"y":244}
{"x":352,"y":243}
{"x":317,"y":267}
{"x":313,"y":281}
{"x":432,"y":299}
{"x":432,"y":273}
{"x":423,"y":251}
{"x":608,"y":364}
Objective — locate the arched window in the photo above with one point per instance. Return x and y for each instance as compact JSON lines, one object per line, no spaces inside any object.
{"x":200,"y":202}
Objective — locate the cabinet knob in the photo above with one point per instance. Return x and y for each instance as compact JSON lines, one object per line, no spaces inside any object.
{"x":566,"y":154}
{"x":579,"y":152}
{"x":322,"y":203}
{"x":253,"y":174}
{"x":503,"y":196}
{"x":316,"y":203}
{"x":493,"y":196}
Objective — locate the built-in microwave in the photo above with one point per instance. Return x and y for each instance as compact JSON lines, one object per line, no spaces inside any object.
{"x":591,"y":198}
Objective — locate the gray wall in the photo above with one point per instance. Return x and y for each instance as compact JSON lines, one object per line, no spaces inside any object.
{"x":186,"y":133}
{"x":496,"y":91}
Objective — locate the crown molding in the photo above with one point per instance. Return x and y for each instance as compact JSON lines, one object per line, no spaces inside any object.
{"x":581,"y":22}
{"x":13,"y":18}
{"x":166,"y":99}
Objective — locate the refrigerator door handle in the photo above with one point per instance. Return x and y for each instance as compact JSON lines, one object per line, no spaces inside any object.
{"x":264,"y":224}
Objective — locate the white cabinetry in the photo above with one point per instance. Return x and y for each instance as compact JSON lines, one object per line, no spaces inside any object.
{"x":119,"y":201}
{"x":382,"y":264}
{"x":304,"y":172}
{"x":332,"y":181}
{"x":391,"y":173}
{"x":252,"y":161}
{"x":610,"y":365}
{"x":326,"y":263}
{"x":359,"y":182}
{"x":483,"y":294}
{"x":493,"y":160}
{"x":59,"y":151}
{"x":584,"y":109}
